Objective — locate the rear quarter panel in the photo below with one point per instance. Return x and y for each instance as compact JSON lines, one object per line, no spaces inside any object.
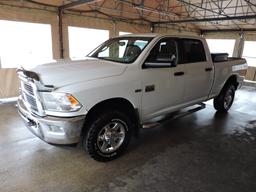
{"x":224,"y":70}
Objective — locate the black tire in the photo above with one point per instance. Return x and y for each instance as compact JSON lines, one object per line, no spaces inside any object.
{"x":100,"y":123}
{"x":224,"y":100}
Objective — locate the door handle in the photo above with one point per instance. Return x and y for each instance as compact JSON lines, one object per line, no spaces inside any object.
{"x":208,"y":69}
{"x":180,"y":73}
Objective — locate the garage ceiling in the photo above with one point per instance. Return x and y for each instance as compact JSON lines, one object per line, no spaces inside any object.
{"x":204,"y":15}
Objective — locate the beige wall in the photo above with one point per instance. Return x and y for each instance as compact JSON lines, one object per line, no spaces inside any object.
{"x":9,"y":83}
{"x":249,"y":36}
{"x":88,"y":22}
{"x":34,"y":16}
{"x":8,"y":79}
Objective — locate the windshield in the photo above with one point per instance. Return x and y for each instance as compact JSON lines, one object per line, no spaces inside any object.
{"x":121,"y":49}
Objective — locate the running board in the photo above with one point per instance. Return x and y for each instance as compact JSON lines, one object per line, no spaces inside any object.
{"x":176,"y":116}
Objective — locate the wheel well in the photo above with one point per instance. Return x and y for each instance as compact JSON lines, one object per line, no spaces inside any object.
{"x":232,"y":80}
{"x":116,"y":103}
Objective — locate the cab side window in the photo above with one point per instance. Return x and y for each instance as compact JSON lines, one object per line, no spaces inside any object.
{"x":191,"y":51}
{"x":165,"y":51}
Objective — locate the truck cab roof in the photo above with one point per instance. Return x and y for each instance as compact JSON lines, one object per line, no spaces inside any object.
{"x":161,"y":35}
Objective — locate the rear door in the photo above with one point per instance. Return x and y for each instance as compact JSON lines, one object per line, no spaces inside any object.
{"x":163,"y":86}
{"x":199,"y":72}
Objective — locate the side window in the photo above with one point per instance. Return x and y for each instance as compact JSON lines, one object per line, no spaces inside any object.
{"x":165,"y":51}
{"x":191,"y":51}
{"x":141,"y":43}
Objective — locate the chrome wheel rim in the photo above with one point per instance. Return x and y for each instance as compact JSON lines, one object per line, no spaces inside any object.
{"x":228,"y":99}
{"x":111,"y":136}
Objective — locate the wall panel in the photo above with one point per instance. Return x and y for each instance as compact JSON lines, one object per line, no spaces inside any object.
{"x":8,"y":79}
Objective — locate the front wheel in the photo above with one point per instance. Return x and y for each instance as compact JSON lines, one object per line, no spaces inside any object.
{"x":108,"y":135}
{"x":225,"y":99}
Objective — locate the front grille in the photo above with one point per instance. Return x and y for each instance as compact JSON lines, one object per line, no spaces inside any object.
{"x":29,"y":94}
{"x":32,"y":102}
{"x":29,"y":89}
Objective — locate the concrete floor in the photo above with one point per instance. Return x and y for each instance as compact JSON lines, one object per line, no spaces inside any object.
{"x":204,"y":151}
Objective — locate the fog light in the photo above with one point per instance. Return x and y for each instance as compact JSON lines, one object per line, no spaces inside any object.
{"x":56,"y":129}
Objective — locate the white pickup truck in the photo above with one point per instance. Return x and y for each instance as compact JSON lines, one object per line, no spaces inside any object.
{"x":124,"y":83}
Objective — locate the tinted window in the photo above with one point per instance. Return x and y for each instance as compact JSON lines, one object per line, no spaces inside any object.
{"x":165,"y":51}
{"x":191,"y":51}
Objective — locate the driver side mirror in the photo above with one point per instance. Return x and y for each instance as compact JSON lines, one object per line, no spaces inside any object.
{"x":162,"y":62}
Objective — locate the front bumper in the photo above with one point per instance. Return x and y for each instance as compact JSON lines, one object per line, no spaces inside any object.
{"x":55,"y":130}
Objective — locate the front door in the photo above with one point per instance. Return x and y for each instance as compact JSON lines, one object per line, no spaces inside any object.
{"x":163,"y":83}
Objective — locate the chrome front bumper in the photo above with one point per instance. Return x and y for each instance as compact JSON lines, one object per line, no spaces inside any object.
{"x":55,"y":130}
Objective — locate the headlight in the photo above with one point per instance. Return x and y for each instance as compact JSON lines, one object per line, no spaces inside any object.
{"x":60,"y":102}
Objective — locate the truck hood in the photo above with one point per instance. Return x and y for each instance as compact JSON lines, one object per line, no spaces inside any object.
{"x":66,"y":72}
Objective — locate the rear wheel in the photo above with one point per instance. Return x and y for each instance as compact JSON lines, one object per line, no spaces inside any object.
{"x":108,"y":135}
{"x":225,"y":99}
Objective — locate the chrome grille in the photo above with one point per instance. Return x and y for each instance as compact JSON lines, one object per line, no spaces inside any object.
{"x":29,"y":89}
{"x":30,"y":96}
{"x":32,"y":102}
